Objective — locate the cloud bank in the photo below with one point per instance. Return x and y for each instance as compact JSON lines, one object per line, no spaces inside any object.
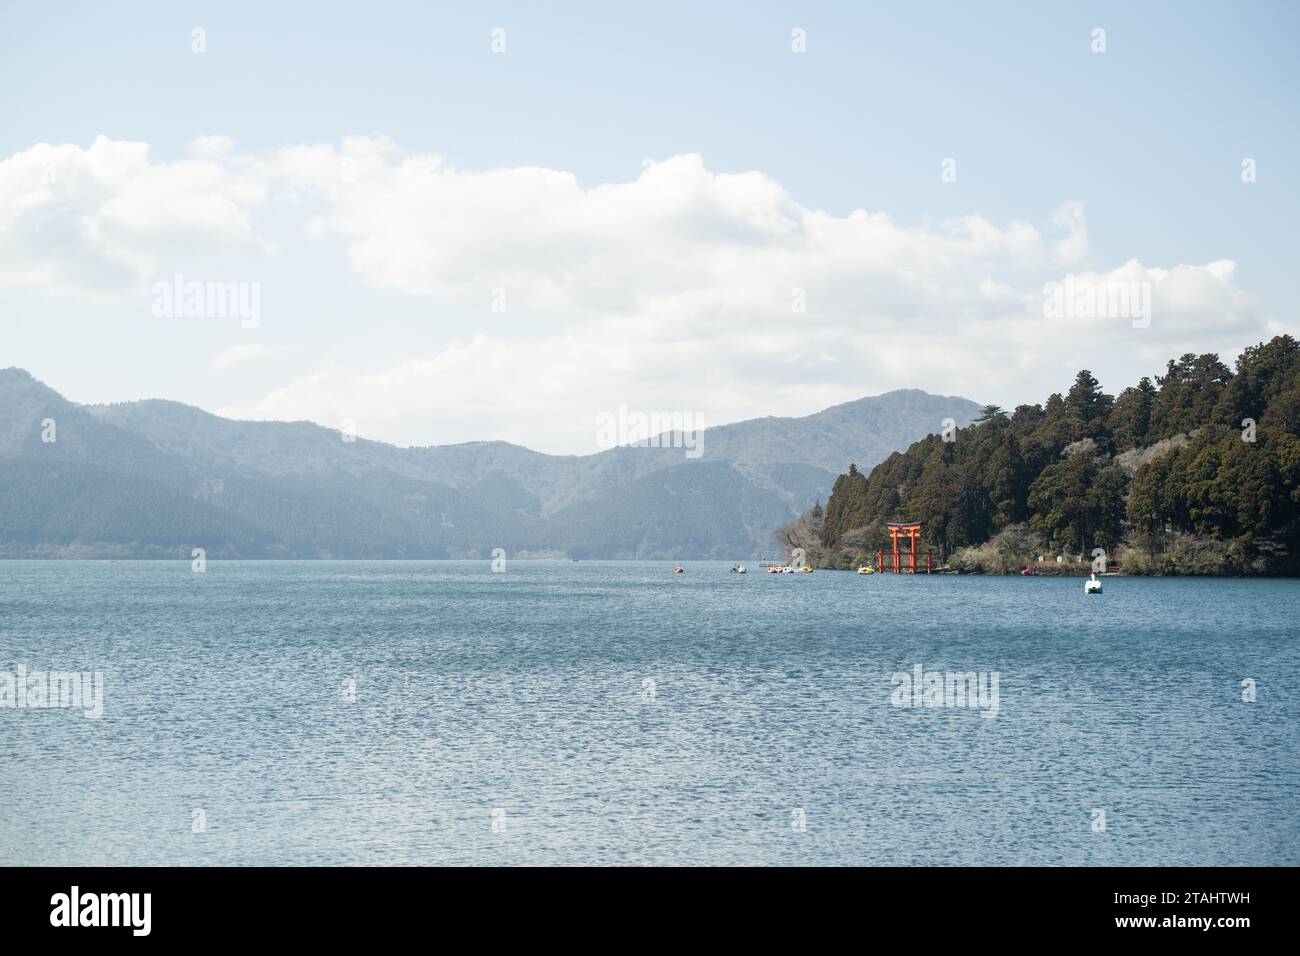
{"x":680,"y":289}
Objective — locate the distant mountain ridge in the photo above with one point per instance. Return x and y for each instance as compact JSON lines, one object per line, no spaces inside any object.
{"x":156,"y":478}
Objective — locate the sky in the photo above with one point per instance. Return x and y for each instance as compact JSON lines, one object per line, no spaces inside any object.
{"x":443,"y":223}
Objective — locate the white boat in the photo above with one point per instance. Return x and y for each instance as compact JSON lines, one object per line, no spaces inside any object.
{"x":739,"y":569}
{"x":1092,"y":585}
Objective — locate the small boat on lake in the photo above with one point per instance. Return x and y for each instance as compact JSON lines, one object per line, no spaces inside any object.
{"x":1092,"y":585}
{"x":679,"y":570}
{"x":866,"y":569}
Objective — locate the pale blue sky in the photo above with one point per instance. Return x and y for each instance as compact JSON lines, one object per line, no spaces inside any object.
{"x":1148,"y":136}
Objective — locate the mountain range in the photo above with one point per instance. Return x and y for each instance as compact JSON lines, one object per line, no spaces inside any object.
{"x":157,"y":478}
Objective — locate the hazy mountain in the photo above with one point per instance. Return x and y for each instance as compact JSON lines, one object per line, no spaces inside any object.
{"x":156,"y":478}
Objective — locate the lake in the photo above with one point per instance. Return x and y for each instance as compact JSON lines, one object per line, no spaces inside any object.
{"x":616,"y":713}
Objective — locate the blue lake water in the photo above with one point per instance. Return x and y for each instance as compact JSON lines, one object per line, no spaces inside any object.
{"x":574,"y":713}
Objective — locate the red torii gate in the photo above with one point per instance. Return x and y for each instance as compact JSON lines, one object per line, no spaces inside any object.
{"x":898,"y":530}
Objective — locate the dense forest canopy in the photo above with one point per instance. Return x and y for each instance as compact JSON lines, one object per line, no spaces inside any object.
{"x":1200,"y":454}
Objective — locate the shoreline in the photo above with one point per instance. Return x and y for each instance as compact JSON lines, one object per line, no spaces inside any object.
{"x":1073,"y":571}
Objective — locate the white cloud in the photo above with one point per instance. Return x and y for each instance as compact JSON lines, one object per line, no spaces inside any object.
{"x":1074,"y":247}
{"x":677,"y":290}
{"x":211,"y":147}
{"x":101,"y":220}
{"x":677,"y":241}
{"x":242,"y":354}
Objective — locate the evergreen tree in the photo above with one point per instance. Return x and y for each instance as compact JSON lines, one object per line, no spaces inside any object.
{"x":1086,"y":407}
{"x":1189,"y":391}
{"x":1130,"y":419}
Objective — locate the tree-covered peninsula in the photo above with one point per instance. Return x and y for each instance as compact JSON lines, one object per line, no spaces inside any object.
{"x":1194,"y":472}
